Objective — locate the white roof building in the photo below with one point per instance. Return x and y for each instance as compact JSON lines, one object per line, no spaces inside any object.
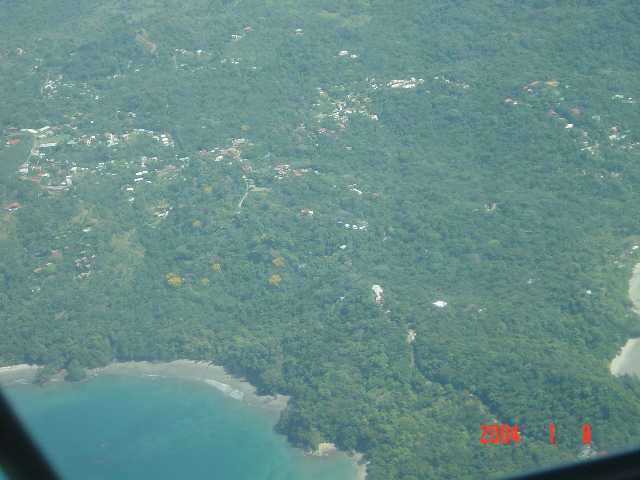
{"x":377,"y":294}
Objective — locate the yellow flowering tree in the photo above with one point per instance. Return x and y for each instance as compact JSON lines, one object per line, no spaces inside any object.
{"x":174,"y":280}
{"x":278,"y":262}
{"x":275,"y":279}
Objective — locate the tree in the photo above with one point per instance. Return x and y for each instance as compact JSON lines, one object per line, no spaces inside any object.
{"x":75,"y":372}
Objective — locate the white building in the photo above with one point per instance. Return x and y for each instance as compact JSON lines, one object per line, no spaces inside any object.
{"x":377,"y":294}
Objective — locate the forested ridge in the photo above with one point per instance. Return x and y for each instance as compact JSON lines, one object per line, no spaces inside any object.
{"x":228,"y":180}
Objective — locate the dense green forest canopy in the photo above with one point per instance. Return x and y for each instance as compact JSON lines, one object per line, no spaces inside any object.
{"x":228,"y":181}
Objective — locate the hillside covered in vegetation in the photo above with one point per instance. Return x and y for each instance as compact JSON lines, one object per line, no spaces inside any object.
{"x":411,"y":217}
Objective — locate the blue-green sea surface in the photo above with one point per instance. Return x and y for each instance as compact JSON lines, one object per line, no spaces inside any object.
{"x":158,"y":428}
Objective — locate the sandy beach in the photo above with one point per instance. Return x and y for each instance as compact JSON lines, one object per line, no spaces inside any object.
{"x":22,"y":373}
{"x":17,"y":368}
{"x":213,"y":375}
{"x":628,"y":359}
{"x":361,"y":465}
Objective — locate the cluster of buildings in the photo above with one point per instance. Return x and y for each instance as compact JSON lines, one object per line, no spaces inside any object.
{"x":162,"y":209}
{"x":284,"y":170}
{"x":58,"y":176}
{"x":83,"y":265}
{"x":623,"y":99}
{"x":378,"y":299}
{"x":413,"y":82}
{"x":347,"y":53}
{"x":233,"y":152}
{"x":114,"y":139}
{"x":452,"y":83}
{"x":190,"y":53}
{"x":53,"y":86}
{"x":407,"y":83}
{"x":549,"y":89}
{"x":339,"y":110}
{"x":41,"y":133}
{"x":355,"y":226}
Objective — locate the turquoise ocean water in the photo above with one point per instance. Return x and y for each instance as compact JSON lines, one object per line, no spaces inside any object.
{"x":115,"y":427}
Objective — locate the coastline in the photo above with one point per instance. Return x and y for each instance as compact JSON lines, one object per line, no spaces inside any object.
{"x":214,"y":375}
{"x":627,"y":361}
{"x":17,"y":374}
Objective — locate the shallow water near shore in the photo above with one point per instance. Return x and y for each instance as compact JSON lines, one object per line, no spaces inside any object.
{"x":123,"y":426}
